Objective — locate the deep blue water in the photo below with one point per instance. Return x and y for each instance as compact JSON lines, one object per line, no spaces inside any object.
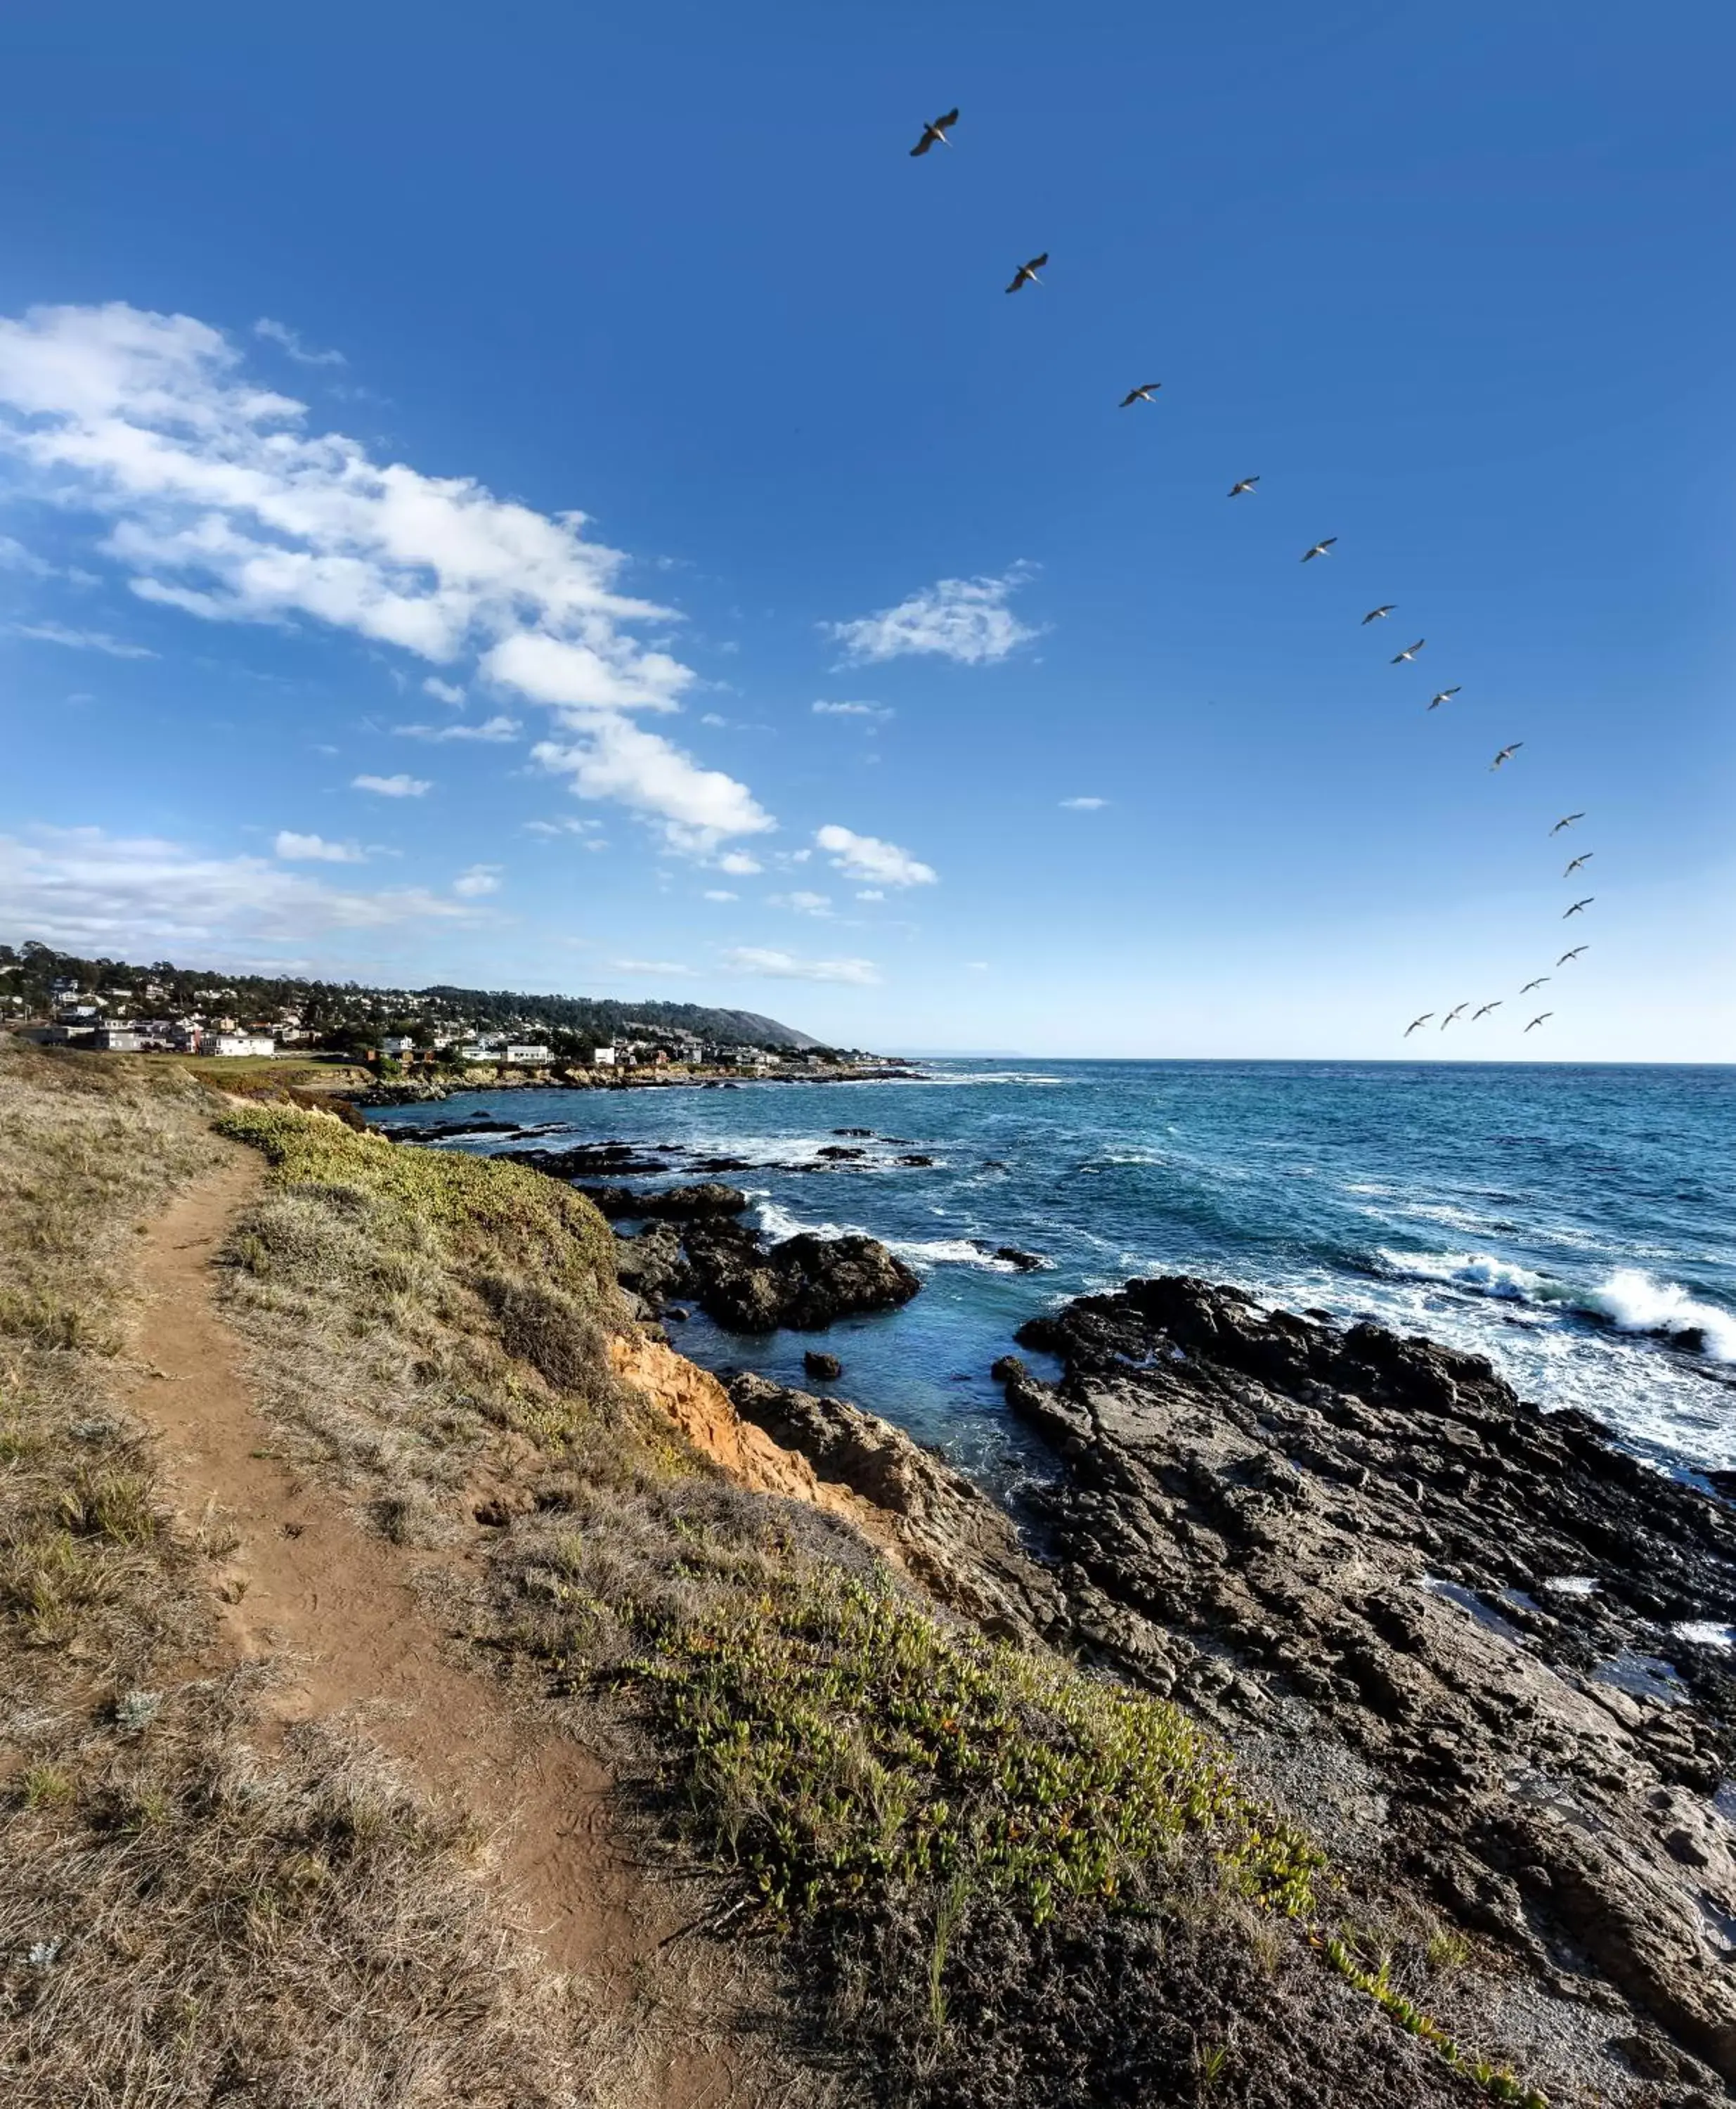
{"x":1577,"y":1225}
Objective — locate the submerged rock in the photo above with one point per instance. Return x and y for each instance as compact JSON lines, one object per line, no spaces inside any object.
{"x":828,"y":1369}
{"x":1348,"y":1549}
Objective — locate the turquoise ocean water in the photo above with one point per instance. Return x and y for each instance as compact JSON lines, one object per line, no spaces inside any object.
{"x":1578,"y":1225}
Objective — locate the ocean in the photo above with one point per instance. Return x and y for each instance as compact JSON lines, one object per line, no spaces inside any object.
{"x":1576,"y":1225}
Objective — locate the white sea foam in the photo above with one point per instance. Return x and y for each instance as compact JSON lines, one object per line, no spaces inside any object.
{"x":1570,"y":1585}
{"x":1475,"y":1271}
{"x":778,"y":1223}
{"x":1634,"y":1302}
{"x":1706,"y":1632}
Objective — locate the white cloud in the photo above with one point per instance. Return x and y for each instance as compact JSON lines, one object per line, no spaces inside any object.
{"x":739,"y":865}
{"x":392,"y":787}
{"x":281,"y":334}
{"x":442,"y":691}
{"x":664,"y":967}
{"x":221,"y":503}
{"x":720,"y":893}
{"x":14,"y":556}
{"x":561,"y":827}
{"x":480,"y":878}
{"x":614,"y":758}
{"x":82,"y":640}
{"x":315,"y":849}
{"x":784,"y":966}
{"x":967,"y":619}
{"x":804,"y":904}
{"x":1083,"y":805}
{"x":872,"y":893}
{"x":851,"y":710}
{"x":976,"y":966}
{"x":491,"y":728}
{"x":711,"y":718}
{"x":864,"y":856}
{"x":93,"y":891}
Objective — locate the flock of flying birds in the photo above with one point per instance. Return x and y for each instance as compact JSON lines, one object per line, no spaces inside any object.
{"x":935,"y":134}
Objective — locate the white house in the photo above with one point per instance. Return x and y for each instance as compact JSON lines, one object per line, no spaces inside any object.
{"x":238,"y":1043}
{"x":396,"y":1044}
{"x":526,"y":1051}
{"x":603,"y":1058}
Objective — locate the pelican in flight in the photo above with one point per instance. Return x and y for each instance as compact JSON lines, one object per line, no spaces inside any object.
{"x":1409,"y":652}
{"x":1507,"y":753}
{"x":1577,"y":906}
{"x":1241,"y":490}
{"x":1573,"y":954}
{"x":1446,"y":696}
{"x":1538,"y":983}
{"x":1319,"y":549}
{"x":1567,"y":823}
{"x":934,"y":134}
{"x":1577,"y":862}
{"x":1488,"y":1007}
{"x":1459,"y":1011}
{"x":1416,"y":1022}
{"x":1026,"y":274}
{"x":1374,"y":614}
{"x":1539,"y":1018}
{"x":1142,"y":394}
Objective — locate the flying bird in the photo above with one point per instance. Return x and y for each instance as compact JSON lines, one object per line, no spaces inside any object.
{"x":1577,"y":905}
{"x":1573,"y":954}
{"x":1506,"y":753}
{"x":1456,"y":1013}
{"x":1488,"y":1007}
{"x":1577,"y":862}
{"x":1446,"y":696}
{"x":1374,"y":614}
{"x":1416,"y":1022}
{"x":1241,"y":490}
{"x":1567,"y":823}
{"x":935,"y":133}
{"x":1540,"y":1017}
{"x":1026,"y":274}
{"x":1319,"y":549}
{"x":1142,"y":394}
{"x":1409,"y":652}
{"x":1538,"y":983}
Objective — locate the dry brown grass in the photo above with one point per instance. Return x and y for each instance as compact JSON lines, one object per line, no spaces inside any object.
{"x":182,"y":1921}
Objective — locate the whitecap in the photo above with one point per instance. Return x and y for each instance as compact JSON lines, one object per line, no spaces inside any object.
{"x":1634,"y":1302}
{"x":1570,"y":1585}
{"x":1706,"y":1632}
{"x":778,"y":1224}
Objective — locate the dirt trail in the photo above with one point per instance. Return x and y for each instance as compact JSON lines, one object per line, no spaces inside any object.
{"x":336,"y":1608}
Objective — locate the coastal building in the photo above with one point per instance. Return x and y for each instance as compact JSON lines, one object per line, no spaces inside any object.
{"x":118,"y":1038}
{"x":527,"y":1051}
{"x":395,"y":1045}
{"x":603,"y":1058}
{"x":237,"y":1043}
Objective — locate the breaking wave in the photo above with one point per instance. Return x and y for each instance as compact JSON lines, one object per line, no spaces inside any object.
{"x":1628,"y":1300}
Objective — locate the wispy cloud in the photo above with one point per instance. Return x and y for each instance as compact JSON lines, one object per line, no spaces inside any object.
{"x":480,"y":879}
{"x":784,"y":966}
{"x":491,"y":728}
{"x":442,"y":691}
{"x":803,"y":903}
{"x":966,"y":620}
{"x":720,"y":893}
{"x":222,"y":503}
{"x":282,"y":334}
{"x":739,"y":865}
{"x":865,"y":857}
{"x":1083,"y":805}
{"x":662,"y":967}
{"x":392,"y":787}
{"x":91,"y":890}
{"x":850,"y":710}
{"x":314,"y":849}
{"x":82,"y":640}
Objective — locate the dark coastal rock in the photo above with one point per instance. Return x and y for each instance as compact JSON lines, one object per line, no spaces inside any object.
{"x":915,"y":1157}
{"x":825,"y":1368}
{"x":590,"y":1160}
{"x":944,"y":1530}
{"x":859,"y":1132}
{"x":1339,"y":1545}
{"x":1026,"y":1263}
{"x":839,"y":1153}
{"x":708,"y":1198}
{"x":804,"y":1282}
{"x":652,"y":1264}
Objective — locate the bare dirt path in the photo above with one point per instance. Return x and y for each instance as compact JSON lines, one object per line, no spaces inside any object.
{"x":336,"y":1609}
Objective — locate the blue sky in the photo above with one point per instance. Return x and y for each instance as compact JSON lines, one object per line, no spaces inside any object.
{"x":316,"y":344}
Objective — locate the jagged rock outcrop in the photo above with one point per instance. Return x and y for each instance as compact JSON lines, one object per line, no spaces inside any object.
{"x":806,"y":1282}
{"x":1345,"y":1542}
{"x":651,"y":1265}
{"x":707,"y":1197}
{"x":947,"y":1532}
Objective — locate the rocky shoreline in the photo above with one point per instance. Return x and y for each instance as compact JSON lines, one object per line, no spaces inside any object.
{"x":426,"y":1091}
{"x":1484,"y":1654}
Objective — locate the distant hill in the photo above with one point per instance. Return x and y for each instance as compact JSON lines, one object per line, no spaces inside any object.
{"x":38,"y":977}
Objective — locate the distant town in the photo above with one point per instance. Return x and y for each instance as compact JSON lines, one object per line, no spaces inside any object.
{"x":58,"y":998}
